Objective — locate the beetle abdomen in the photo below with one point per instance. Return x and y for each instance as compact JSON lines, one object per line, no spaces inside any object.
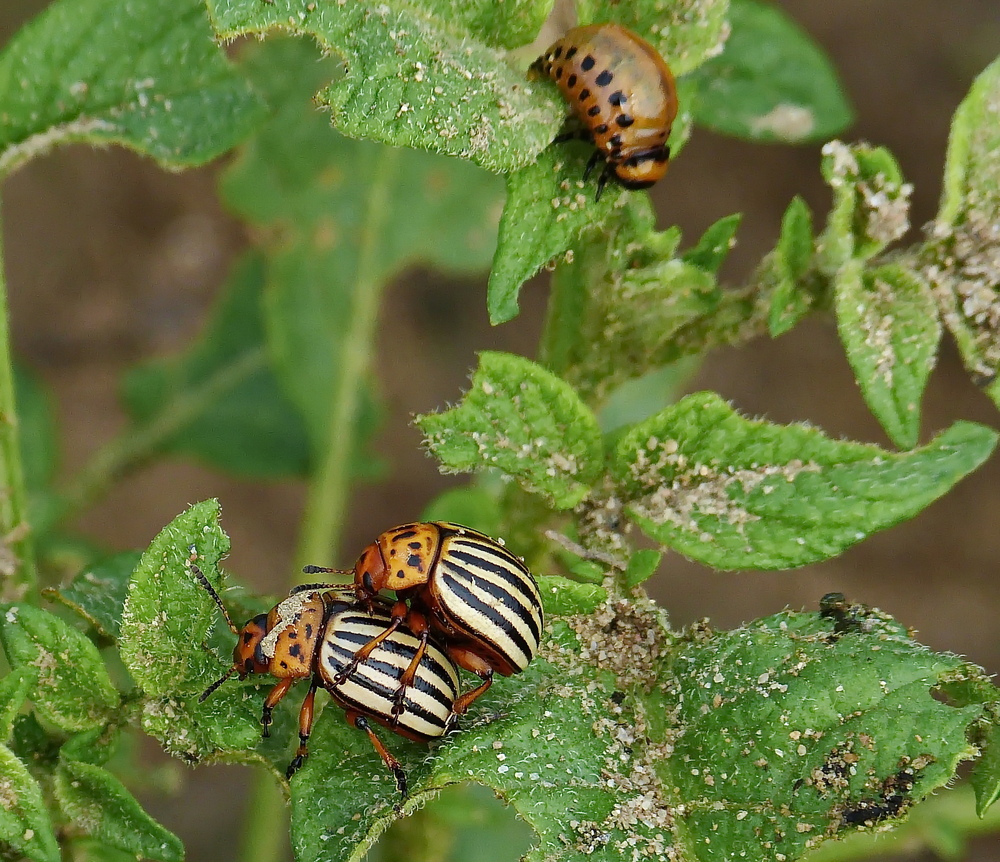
{"x":488,"y":595}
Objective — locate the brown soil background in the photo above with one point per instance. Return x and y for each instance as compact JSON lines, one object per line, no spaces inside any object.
{"x":111,"y":261}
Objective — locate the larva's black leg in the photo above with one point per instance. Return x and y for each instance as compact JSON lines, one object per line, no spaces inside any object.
{"x":573,"y":135}
{"x":602,"y":180}
{"x":591,"y":162}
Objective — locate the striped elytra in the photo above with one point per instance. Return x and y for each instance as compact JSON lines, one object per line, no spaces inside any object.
{"x":486,"y":594}
{"x":371,"y":688}
{"x":314,"y":634}
{"x":624,"y":96}
{"x":476,"y":597}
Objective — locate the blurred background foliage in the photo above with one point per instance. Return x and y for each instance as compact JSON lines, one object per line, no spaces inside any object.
{"x":113,"y":263}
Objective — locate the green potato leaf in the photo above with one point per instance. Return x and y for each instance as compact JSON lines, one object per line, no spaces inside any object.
{"x":98,"y":803}
{"x":429,"y":78}
{"x":145,"y":75}
{"x":963,"y":255}
{"x":73,"y":689}
{"x":167,"y":610}
{"x":735,"y":493}
{"x":889,"y":326}
{"x":524,"y":421}
{"x":771,"y":82}
{"x":25,"y":824}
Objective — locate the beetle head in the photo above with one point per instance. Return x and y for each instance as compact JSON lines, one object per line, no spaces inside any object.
{"x":370,"y":573}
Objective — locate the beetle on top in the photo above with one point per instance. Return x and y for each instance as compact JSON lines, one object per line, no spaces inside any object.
{"x":478,"y":600}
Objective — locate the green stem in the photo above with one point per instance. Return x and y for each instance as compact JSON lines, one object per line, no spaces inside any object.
{"x":265,"y":830}
{"x":133,"y":447}
{"x":567,"y":304}
{"x":15,"y":534}
{"x":326,"y":504}
{"x":423,"y":836}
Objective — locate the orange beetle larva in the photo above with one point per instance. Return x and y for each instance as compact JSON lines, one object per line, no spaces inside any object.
{"x":623,"y":93}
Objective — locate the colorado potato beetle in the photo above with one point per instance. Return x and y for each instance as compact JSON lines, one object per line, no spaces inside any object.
{"x":624,"y":95}
{"x":461,"y":585}
{"x":315,"y":633}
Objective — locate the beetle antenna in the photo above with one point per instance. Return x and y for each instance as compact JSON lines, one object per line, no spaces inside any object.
{"x":200,"y":575}
{"x":208,"y":691}
{"x":323,"y":570}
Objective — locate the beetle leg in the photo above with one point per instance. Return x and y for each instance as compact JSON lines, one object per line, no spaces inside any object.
{"x":399,"y":611}
{"x":271,"y":701}
{"x":595,"y":157}
{"x":305,"y":728}
{"x":417,"y":623}
{"x":471,"y":662}
{"x":602,"y":180}
{"x":359,"y":721}
{"x":573,"y":135}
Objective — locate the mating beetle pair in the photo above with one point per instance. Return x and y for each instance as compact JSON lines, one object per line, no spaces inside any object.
{"x":472,"y":602}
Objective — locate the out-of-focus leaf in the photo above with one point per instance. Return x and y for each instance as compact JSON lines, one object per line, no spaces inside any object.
{"x":343,"y":217}
{"x":771,"y":82}
{"x":98,"y":592}
{"x":220,"y":401}
{"x":145,"y":75}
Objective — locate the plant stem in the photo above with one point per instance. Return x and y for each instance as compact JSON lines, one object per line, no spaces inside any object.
{"x":327,"y":496}
{"x":265,"y":829}
{"x":560,"y":336}
{"x":326,"y":503}
{"x":18,"y":574}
